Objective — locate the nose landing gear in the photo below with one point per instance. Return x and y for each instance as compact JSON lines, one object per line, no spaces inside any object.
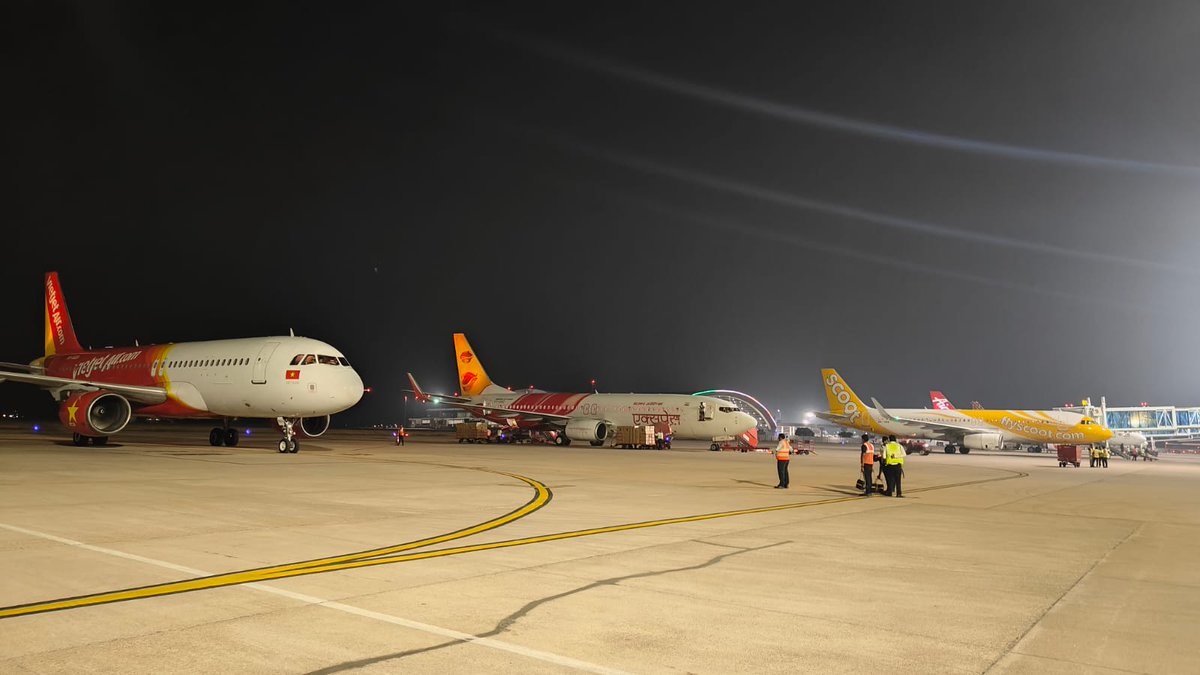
{"x":288,"y":443}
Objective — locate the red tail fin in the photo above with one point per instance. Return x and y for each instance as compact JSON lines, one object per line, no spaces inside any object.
{"x":60,"y":334}
{"x":940,"y":402}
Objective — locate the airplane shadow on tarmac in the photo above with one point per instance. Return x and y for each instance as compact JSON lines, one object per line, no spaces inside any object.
{"x":507,"y":622}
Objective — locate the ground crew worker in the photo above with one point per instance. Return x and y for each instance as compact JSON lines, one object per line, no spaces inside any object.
{"x":893,"y":465}
{"x":400,"y":434}
{"x":1104,"y":455}
{"x":783,"y":455}
{"x":1094,"y":454}
{"x":867,"y":457}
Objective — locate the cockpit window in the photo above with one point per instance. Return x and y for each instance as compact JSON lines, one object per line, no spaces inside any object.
{"x":342,"y":360}
{"x":297,"y":359}
{"x":327,"y":360}
{"x":309,"y":359}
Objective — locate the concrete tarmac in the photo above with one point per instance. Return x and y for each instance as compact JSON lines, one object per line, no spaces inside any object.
{"x":359,"y":556}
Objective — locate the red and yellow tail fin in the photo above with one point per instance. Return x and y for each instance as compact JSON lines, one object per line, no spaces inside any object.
{"x":472,"y":378}
{"x":60,"y":334}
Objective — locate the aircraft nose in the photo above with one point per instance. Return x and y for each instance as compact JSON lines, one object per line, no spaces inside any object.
{"x":745,"y":422}
{"x":352,"y":389}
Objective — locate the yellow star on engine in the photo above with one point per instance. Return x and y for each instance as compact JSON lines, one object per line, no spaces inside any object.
{"x":71,"y":413}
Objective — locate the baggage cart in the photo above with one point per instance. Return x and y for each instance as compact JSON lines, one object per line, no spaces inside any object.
{"x":635,"y":437}
{"x":472,"y":432}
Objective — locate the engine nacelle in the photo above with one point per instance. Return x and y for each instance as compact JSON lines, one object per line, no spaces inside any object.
{"x":587,"y":430}
{"x":95,"y":413}
{"x":309,"y":427}
{"x":313,"y":427}
{"x":983,"y":442}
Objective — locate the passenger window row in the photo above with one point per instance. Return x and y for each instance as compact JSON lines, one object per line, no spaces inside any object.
{"x":203,"y":363}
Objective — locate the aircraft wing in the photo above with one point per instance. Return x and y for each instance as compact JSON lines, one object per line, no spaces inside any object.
{"x":484,"y":410}
{"x":140,"y":394}
{"x":945,"y":428}
{"x":480,"y":408}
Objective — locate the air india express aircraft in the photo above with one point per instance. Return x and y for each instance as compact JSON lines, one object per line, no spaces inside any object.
{"x":586,"y":417}
{"x":966,"y":429}
{"x":296,"y":381}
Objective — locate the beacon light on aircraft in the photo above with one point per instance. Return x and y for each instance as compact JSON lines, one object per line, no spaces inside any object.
{"x":366,"y":390}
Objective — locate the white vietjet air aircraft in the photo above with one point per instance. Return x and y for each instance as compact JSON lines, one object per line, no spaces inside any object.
{"x":296,"y":381}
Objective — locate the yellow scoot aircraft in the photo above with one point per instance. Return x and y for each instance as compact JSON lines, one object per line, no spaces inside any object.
{"x":965,"y":429}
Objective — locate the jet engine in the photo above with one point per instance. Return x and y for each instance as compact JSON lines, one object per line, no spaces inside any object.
{"x":95,"y":414}
{"x":313,"y":427}
{"x":981,"y":442}
{"x":309,"y":427}
{"x":593,"y":431}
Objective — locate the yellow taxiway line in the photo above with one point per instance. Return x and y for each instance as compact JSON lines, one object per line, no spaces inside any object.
{"x":388,"y":555}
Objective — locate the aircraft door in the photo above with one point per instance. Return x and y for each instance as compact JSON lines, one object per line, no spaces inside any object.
{"x":260,"y":363}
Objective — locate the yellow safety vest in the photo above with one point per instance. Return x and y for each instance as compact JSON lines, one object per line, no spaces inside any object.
{"x":783,"y":450}
{"x":893,"y":453}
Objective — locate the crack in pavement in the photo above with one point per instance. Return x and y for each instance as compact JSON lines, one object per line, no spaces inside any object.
{"x":505,"y":623}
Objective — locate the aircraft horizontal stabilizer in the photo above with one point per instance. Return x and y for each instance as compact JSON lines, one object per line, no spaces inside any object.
{"x":425,"y":397}
{"x":833,"y":417}
{"x":883,"y":411}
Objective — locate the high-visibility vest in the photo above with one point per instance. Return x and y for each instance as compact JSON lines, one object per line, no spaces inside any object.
{"x":868,"y":458}
{"x":893,"y":453}
{"x":783,"y":450}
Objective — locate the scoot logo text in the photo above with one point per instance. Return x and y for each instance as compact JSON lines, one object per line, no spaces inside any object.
{"x":838,"y":389}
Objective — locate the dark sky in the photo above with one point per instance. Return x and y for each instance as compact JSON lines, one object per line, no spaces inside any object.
{"x":998,"y":200}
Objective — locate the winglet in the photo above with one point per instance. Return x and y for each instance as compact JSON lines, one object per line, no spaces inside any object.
{"x":416,"y":389}
{"x":60,"y":334}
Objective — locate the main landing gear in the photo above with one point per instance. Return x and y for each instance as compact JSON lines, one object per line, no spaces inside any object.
{"x":288,"y":443}
{"x":226,"y":435}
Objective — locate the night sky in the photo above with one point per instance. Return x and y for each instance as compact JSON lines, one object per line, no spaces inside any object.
{"x":997,"y":200}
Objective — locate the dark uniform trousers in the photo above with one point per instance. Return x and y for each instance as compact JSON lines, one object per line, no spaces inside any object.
{"x":867,"y":470}
{"x":893,"y":473}
{"x":782,"y":466}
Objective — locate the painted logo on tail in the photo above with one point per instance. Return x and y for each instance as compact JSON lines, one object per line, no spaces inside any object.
{"x":466,"y":357}
{"x":467,"y":380}
{"x":841,"y":392}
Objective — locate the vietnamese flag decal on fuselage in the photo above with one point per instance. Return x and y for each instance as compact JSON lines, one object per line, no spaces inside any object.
{"x":293,"y":374}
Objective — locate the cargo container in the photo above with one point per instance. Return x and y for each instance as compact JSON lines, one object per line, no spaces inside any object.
{"x":472,"y":432}
{"x":634,"y":437}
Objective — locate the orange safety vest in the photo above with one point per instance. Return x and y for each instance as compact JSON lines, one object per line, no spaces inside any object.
{"x":783,"y":450}
{"x":868,"y":458}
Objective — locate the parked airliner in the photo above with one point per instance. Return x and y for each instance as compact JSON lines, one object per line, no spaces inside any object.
{"x":587,"y":417}
{"x":966,"y":429}
{"x":298,"y":382}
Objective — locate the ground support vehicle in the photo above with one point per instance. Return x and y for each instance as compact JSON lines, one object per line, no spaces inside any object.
{"x":1070,"y":454}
